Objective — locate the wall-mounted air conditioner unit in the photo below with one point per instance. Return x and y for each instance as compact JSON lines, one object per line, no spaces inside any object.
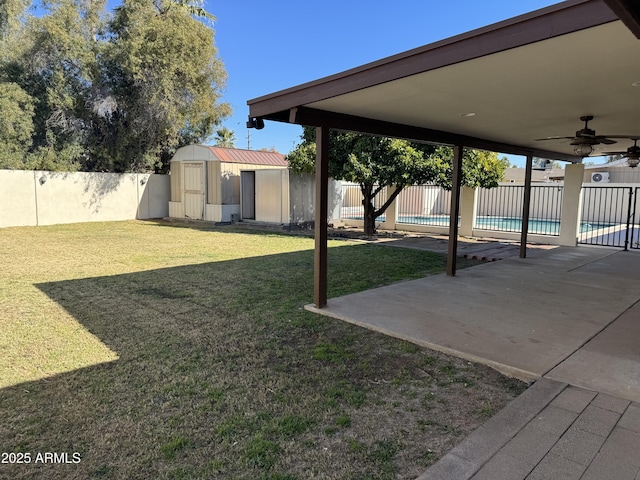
{"x":600,"y":177}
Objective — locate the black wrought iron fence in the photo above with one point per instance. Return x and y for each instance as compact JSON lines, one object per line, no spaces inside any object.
{"x":500,"y":209}
{"x":608,"y":214}
{"x":633,"y":239}
{"x":608,"y":217}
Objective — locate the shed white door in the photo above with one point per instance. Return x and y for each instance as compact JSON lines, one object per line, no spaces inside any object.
{"x":194,"y":190}
{"x":269,"y":196}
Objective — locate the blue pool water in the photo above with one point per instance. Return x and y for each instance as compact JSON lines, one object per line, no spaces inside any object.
{"x":501,"y":224}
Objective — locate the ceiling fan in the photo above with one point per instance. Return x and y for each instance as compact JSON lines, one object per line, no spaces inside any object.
{"x":585,"y":139}
{"x":632,"y":154}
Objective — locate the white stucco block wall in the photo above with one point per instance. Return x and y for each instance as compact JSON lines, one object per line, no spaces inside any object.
{"x":153,"y":196}
{"x":85,"y":197}
{"x":48,"y":198}
{"x":17,"y":198}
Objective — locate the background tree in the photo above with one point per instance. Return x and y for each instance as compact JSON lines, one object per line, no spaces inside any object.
{"x":546,"y":164}
{"x":162,"y":82}
{"x":480,"y":168}
{"x":225,"y":138}
{"x":52,"y":58}
{"x":113,"y":93}
{"x":192,"y":7}
{"x":10,"y":13}
{"x":507,"y":163}
{"x":377,"y":162}
{"x":16,"y":125}
{"x":372,"y":162}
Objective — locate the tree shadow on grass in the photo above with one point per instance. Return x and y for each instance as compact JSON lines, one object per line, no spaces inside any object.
{"x":212,"y":358}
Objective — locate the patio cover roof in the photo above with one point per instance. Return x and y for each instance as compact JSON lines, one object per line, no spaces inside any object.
{"x":528,"y":77}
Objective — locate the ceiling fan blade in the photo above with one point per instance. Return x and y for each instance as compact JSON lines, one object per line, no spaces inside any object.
{"x":587,"y":136}
{"x":630,"y":137}
{"x":553,"y":138}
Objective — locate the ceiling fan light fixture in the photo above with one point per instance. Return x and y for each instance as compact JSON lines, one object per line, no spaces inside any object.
{"x":585,"y":140}
{"x":633,"y":161}
{"x":583,"y":149}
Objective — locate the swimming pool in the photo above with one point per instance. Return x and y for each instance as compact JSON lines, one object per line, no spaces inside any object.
{"x":493,"y":223}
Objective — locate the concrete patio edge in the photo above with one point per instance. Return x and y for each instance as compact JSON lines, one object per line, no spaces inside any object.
{"x":503,"y":368}
{"x":474,"y":451}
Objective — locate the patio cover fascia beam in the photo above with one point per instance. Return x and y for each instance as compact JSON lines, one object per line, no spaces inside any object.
{"x":629,"y":12}
{"x":339,"y":121}
{"x":544,"y":24}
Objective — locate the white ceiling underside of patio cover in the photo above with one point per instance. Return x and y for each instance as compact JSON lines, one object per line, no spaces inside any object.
{"x":533,"y":91}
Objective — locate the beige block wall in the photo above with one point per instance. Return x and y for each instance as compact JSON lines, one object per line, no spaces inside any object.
{"x":74,"y":197}
{"x":47,"y":198}
{"x":153,"y":196}
{"x":18,"y":206}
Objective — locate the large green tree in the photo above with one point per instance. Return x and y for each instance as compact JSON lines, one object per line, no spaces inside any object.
{"x":372,"y":162}
{"x":52,"y":57}
{"x":378,"y":162}
{"x":162,"y":83}
{"x":11,"y":12}
{"x":113,"y":92}
{"x":16,"y":125}
{"x":480,"y":168}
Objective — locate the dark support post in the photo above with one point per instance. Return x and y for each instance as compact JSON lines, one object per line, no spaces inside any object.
{"x":526,"y":204}
{"x":322,"y":194}
{"x":456,"y":182}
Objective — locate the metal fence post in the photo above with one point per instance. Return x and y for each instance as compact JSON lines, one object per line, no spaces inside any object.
{"x":626,"y":236}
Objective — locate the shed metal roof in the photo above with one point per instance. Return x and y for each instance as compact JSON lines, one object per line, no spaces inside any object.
{"x":251,"y":157}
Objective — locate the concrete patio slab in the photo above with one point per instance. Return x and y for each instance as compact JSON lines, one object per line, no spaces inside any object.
{"x":608,"y":363}
{"x":520,"y":316}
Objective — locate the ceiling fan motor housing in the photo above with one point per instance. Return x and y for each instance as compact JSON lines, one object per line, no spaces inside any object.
{"x":583,"y":138}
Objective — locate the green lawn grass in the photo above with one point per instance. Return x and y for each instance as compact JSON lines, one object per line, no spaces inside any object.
{"x":157,"y":350}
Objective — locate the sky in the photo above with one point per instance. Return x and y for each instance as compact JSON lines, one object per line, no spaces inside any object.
{"x":271,"y":46}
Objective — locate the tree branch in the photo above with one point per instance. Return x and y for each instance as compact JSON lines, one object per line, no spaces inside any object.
{"x":377,"y":190}
{"x":386,"y":204}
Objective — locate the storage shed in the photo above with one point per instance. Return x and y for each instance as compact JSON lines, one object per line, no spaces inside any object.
{"x":206,"y":184}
